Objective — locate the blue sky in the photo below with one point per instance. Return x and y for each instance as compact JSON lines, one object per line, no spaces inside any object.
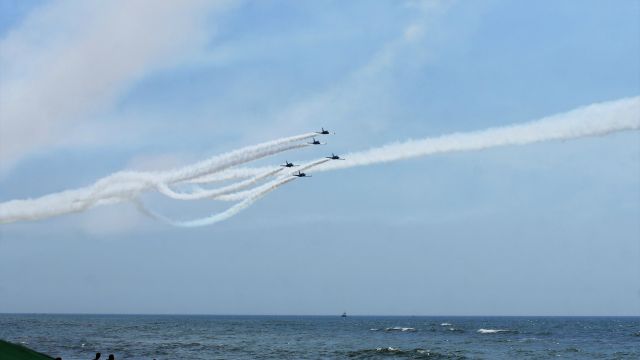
{"x":543,"y":229}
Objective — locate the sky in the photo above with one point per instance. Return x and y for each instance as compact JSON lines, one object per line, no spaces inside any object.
{"x":91,"y":88}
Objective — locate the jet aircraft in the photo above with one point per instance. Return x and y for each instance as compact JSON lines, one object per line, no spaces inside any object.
{"x":288,"y":164}
{"x":301,"y":174}
{"x":315,"y":142}
{"x":334,"y":157}
{"x":323,"y":132}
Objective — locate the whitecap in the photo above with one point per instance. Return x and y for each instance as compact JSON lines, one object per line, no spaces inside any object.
{"x":398,"y":328}
{"x":492,"y":331}
{"x":445,"y":324}
{"x":388,"y":349}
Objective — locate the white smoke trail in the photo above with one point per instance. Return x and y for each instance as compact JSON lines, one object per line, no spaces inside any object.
{"x":231,"y":174}
{"x":241,"y":195}
{"x":310,"y":165}
{"x":130,"y":182}
{"x":212,"y":219}
{"x":211,"y":165}
{"x":593,"y":120}
{"x":214,"y":193}
{"x":237,"y":157}
{"x":127,"y":185}
{"x":248,"y":198}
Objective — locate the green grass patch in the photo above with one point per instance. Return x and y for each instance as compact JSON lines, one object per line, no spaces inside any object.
{"x":10,"y":351}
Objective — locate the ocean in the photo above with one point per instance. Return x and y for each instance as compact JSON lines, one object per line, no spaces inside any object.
{"x":75,"y":337}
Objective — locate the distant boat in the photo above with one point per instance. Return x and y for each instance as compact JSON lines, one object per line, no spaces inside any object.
{"x":344,"y":314}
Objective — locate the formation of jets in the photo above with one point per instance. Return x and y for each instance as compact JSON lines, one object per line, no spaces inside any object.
{"x":313,"y":142}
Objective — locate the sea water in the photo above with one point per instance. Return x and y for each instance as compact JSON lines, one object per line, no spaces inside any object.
{"x":324,"y":337}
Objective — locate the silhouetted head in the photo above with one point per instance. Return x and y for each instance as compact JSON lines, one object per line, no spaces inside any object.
{"x":97,"y":356}
{"x":111,"y":357}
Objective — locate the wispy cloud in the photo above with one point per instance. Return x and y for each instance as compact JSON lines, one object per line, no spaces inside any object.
{"x":70,"y":61}
{"x":366,"y":80}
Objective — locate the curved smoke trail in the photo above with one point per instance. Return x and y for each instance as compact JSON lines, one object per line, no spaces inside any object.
{"x":247,"y":199}
{"x":123,"y":186}
{"x":164,"y":189}
{"x":241,"y":195}
{"x":231,"y":174}
{"x":212,"y":219}
{"x":593,"y":120}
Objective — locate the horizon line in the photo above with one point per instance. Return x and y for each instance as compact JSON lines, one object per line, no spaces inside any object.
{"x":301,"y":315}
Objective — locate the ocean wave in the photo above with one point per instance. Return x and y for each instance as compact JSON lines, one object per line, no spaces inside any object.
{"x":405,"y":354}
{"x":452,"y":329}
{"x":402,"y":329}
{"x":445,"y":324}
{"x":495,"y":331}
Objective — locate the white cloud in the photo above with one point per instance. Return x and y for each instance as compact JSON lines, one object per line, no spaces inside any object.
{"x":69,"y":61}
{"x":363,"y":94}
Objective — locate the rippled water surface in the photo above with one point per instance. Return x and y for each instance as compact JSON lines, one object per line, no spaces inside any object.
{"x":315,"y":337}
